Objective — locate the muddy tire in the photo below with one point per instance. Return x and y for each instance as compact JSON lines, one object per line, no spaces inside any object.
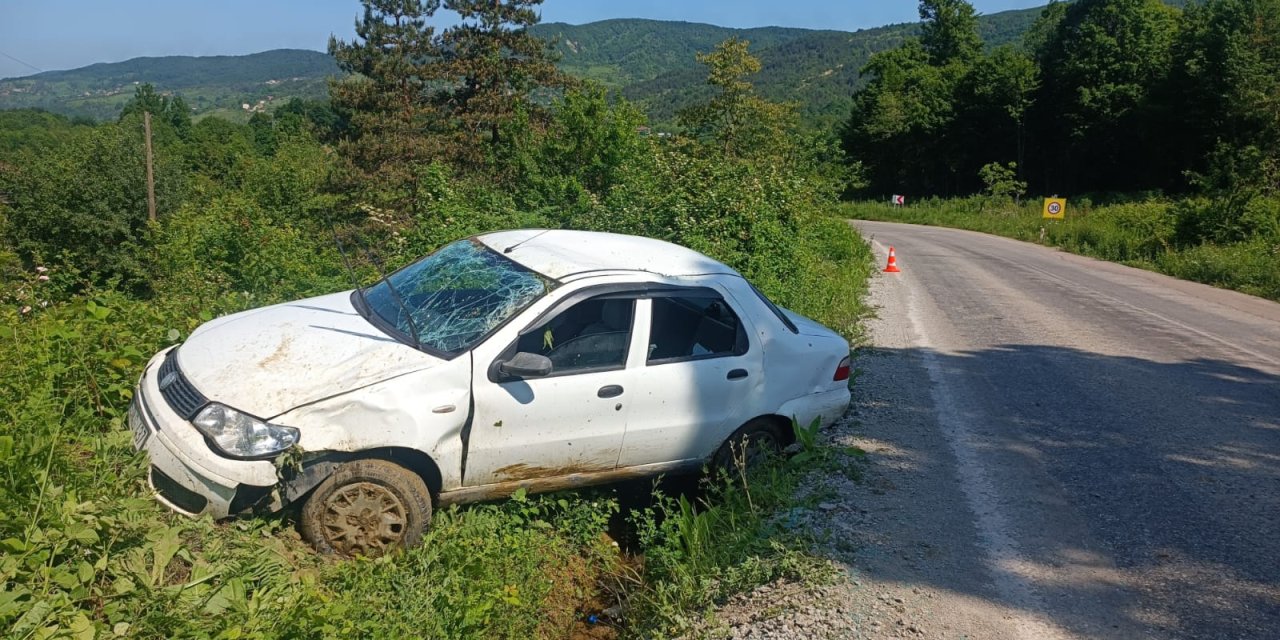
{"x":751,"y":444}
{"x":366,"y":508}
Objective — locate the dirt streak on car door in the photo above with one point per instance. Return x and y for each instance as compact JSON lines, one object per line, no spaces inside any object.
{"x":547,"y":427}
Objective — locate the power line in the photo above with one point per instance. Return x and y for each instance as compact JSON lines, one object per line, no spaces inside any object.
{"x":23,"y":62}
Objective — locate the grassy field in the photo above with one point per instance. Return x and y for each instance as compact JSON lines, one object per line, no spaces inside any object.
{"x":86,"y":553}
{"x":1150,"y":234}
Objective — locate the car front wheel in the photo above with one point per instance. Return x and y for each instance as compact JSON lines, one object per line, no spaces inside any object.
{"x":366,"y":508}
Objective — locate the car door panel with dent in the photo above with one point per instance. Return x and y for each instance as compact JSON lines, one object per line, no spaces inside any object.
{"x":571,"y":421}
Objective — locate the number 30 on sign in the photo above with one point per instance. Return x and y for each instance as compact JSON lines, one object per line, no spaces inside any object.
{"x":1055,"y":208}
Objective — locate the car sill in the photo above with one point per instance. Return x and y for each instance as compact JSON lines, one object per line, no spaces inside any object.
{"x":556,"y":483}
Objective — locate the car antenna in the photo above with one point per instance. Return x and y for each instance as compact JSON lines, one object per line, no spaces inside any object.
{"x":516,"y":245}
{"x":346,"y":262}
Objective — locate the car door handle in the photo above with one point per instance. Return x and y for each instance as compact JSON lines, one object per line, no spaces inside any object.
{"x":609,"y":391}
{"x":737,"y":374}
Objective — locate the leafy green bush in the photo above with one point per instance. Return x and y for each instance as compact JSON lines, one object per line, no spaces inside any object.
{"x":1133,"y":232}
{"x":83,"y":204}
{"x":1252,"y":267}
{"x":230,"y":243}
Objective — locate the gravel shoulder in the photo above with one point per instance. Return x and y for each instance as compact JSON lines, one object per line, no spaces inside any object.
{"x":902,"y":534}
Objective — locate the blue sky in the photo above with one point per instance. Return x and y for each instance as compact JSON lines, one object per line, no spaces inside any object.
{"x":64,"y":34}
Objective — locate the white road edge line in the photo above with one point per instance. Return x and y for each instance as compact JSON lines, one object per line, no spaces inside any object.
{"x":976,"y":485}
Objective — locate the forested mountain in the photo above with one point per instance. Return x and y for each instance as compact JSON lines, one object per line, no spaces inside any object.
{"x":622,"y":52}
{"x":653,"y":62}
{"x":207,"y":83}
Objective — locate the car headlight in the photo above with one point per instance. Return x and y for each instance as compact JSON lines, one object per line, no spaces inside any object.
{"x":241,"y":435}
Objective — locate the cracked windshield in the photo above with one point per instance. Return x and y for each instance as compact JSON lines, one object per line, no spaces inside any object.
{"x":455,"y":296}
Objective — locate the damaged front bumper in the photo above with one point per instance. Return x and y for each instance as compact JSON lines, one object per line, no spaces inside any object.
{"x":185,"y":474}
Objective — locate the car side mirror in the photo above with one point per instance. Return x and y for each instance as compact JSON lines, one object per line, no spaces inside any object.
{"x":526,"y":365}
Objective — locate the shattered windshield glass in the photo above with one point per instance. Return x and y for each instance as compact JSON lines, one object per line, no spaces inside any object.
{"x":455,"y":296}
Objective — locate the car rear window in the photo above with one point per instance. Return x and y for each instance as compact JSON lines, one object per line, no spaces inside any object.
{"x":694,"y":327}
{"x":774,"y":308}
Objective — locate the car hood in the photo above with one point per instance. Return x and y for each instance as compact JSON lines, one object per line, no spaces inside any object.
{"x":270,"y":360}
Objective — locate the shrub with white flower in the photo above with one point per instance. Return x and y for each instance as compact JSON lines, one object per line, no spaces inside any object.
{"x":27,"y":294}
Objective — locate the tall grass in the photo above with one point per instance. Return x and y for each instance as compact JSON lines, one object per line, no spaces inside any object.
{"x":87,"y":553}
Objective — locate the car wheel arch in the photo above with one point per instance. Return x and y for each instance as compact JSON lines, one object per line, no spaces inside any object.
{"x":367,"y":507}
{"x":299,"y":484}
{"x":781,"y":426}
{"x":776,"y":425}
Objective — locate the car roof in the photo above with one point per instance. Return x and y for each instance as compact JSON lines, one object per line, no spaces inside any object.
{"x":561,"y":253}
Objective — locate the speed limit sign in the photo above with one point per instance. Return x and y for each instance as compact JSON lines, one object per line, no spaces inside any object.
{"x":1055,"y":208}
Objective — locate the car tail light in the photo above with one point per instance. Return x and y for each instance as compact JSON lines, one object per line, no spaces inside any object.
{"x":842,"y":370}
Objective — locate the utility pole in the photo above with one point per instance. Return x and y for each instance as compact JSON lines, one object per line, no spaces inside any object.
{"x":151,"y":178}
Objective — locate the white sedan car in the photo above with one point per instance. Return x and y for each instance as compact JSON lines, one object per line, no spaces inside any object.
{"x":536,"y":359}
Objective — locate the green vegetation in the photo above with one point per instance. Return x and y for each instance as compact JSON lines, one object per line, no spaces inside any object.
{"x":92,"y":289}
{"x":652,"y":62}
{"x":1100,"y":96}
{"x":471,"y":129}
{"x":1159,"y":235}
{"x":1174,"y":113}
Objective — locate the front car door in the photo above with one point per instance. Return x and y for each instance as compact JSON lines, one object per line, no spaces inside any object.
{"x":571,"y":421}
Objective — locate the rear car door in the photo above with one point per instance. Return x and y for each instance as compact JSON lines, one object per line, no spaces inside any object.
{"x":700,"y":379}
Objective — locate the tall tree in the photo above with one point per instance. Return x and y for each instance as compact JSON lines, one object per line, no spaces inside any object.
{"x":739,"y":122}
{"x":992,"y":102}
{"x":1093,"y":119}
{"x":950,"y":31}
{"x":493,"y":65}
{"x":902,"y":126}
{"x":393,"y":66}
{"x":898,"y":121}
{"x":1224,"y":94}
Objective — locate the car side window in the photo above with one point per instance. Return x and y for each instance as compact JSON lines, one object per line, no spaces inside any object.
{"x":687,"y":328}
{"x":594,"y":334}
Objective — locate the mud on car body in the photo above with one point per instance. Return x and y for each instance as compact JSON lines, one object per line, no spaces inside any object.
{"x":536,"y":359}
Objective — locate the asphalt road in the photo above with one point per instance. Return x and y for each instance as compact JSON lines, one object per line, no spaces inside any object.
{"x":1081,"y":449}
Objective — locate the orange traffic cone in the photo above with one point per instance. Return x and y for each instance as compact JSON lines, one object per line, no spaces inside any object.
{"x":893,"y":263}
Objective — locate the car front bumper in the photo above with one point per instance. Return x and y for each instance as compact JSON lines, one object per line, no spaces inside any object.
{"x":185,"y":474}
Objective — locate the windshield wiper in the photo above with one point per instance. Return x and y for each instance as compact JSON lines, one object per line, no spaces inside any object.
{"x":382,"y":277}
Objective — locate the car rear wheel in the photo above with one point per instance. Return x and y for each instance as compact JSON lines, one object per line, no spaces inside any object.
{"x":366,"y":508}
{"x":750,"y":445}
